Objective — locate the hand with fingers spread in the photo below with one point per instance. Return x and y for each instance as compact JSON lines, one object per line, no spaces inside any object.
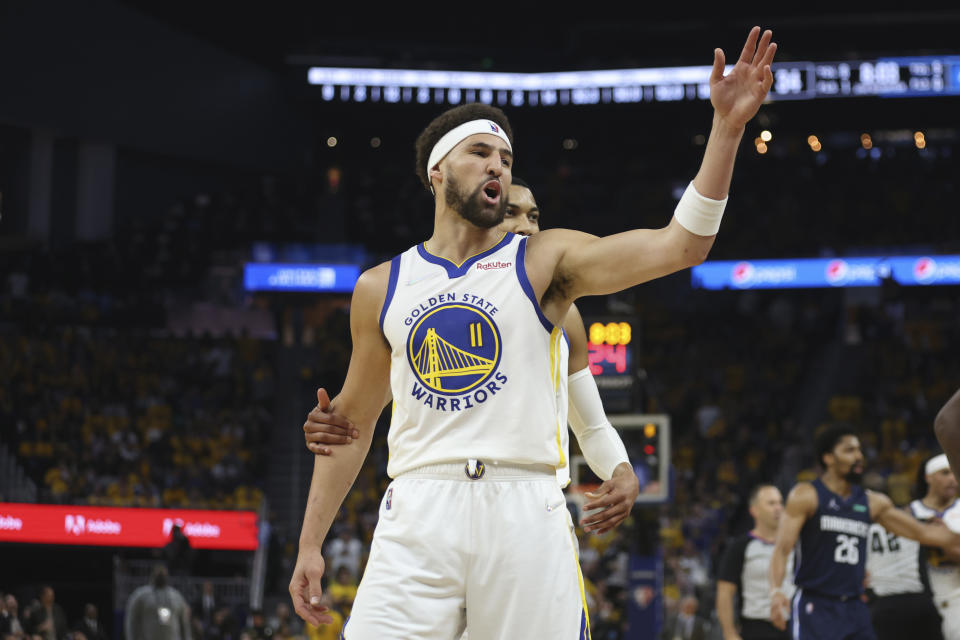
{"x":305,"y":589}
{"x":615,"y":497}
{"x":324,"y":428}
{"x":737,"y":96}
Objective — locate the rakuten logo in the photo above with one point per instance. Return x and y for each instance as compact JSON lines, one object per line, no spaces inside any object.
{"x":10,"y":523}
{"x":79,"y":525}
{"x":192,"y":529}
{"x":487,"y":266}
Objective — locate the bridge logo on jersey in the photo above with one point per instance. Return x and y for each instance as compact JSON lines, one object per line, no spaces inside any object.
{"x":454,"y":348}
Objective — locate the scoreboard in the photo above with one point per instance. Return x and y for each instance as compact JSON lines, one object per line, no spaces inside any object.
{"x":901,"y":77}
{"x":611,"y":344}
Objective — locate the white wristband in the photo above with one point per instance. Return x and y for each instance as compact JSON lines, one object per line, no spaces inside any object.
{"x":698,"y":214}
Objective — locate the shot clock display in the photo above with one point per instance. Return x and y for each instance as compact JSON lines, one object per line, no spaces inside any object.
{"x":612,"y":343}
{"x":610,"y":347}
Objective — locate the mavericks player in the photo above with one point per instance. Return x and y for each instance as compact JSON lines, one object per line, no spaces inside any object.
{"x":599,"y":441}
{"x":830,"y":517}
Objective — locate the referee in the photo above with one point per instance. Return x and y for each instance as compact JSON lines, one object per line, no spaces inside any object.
{"x":744,"y":569}
{"x":901,"y":605}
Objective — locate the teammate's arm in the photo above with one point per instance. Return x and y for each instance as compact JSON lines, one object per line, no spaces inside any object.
{"x":903,"y":524}
{"x":367,"y":377}
{"x":580,"y":264}
{"x":801,"y":504}
{"x":601,"y":444}
{"x":324,"y":428}
{"x":947,"y":428}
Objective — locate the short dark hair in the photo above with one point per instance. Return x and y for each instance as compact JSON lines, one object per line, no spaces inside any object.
{"x":520,"y":182}
{"x":756,"y":492}
{"x":451,"y":119}
{"x":829,"y":438}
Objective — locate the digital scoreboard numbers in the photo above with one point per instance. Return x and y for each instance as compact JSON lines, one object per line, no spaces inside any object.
{"x":611,"y":345}
{"x":890,"y":77}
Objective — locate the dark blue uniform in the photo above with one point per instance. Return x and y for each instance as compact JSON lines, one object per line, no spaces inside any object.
{"x":831,"y":558}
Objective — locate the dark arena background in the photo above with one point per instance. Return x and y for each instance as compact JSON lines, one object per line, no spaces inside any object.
{"x":189,"y":192}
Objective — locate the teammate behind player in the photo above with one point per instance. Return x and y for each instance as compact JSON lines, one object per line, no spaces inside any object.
{"x":940,"y":503}
{"x":831,"y":519}
{"x":599,"y":441}
{"x":744,"y":568}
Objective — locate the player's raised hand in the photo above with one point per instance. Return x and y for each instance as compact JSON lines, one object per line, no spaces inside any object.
{"x":615,"y":497}
{"x":324,"y":428}
{"x":305,"y":589}
{"x":737,"y":96}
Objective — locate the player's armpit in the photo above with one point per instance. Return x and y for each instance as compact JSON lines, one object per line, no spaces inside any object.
{"x":577,"y":333}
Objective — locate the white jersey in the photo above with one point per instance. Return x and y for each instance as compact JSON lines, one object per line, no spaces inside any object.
{"x":893,"y":563}
{"x":944,"y":575}
{"x":475,"y":365}
{"x":563,"y":410}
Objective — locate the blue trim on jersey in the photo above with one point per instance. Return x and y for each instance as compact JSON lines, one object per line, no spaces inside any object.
{"x":527,"y":287}
{"x":391,"y":287}
{"x":453,"y":269}
{"x":343,"y":629}
{"x":584,"y":631}
{"x":566,"y":337}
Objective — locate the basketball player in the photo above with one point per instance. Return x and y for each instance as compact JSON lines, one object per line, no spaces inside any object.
{"x":831,"y":518}
{"x":940,"y":502}
{"x":744,"y":568}
{"x":473,"y":531}
{"x":900,"y":602}
{"x":599,"y":441}
{"x":947,"y":428}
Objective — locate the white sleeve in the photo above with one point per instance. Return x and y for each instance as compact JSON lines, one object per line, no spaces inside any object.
{"x":599,"y":441}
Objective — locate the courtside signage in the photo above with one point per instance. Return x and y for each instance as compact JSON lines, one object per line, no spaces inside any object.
{"x":827,"y":272}
{"x":126,"y":527}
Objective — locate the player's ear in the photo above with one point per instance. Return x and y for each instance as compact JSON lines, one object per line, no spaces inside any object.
{"x":436,"y":175}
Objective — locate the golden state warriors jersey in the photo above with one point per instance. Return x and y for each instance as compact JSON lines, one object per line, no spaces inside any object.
{"x":475,"y":365}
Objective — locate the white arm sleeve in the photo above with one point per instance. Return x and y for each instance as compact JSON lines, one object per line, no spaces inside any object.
{"x":601,"y":444}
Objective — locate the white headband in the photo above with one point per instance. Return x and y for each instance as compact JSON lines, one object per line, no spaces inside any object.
{"x":937,"y":463}
{"x":456,"y":135}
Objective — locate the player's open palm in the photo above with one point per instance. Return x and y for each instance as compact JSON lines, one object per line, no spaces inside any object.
{"x":737,"y":96}
{"x":305,"y":586}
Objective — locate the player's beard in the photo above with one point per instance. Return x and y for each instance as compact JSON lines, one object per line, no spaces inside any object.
{"x":853,"y":476}
{"x":472,"y":208}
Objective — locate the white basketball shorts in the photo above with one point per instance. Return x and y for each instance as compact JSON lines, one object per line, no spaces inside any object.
{"x":493,"y":554}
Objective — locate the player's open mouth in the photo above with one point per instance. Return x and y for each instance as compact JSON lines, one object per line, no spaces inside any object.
{"x":491,"y":192}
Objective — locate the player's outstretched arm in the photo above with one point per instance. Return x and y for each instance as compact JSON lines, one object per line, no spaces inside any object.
{"x":581,"y":264}
{"x":367,"y":377}
{"x":901,"y":523}
{"x":947,"y":428}
{"x":801,"y":505}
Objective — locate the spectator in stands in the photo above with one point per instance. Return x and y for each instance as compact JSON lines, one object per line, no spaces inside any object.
{"x":203,"y":610}
{"x":48,"y":619}
{"x":90,"y":625}
{"x":157,"y":611}
{"x":345,"y":550}
{"x":687,"y":623}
